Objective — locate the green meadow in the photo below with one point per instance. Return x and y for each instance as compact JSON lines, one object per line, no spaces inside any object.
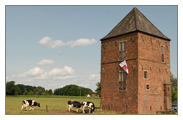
{"x":55,"y":104}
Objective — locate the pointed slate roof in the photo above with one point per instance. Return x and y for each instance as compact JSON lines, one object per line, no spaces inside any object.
{"x":135,"y":21}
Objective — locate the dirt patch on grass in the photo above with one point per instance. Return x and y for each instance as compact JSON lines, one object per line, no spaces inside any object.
{"x":63,"y":112}
{"x":67,"y":112}
{"x":73,"y":112}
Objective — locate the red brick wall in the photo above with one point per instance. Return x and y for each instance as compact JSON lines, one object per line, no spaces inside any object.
{"x":149,"y":59}
{"x":149,"y":48}
{"x":111,"y":97}
{"x":143,"y":53}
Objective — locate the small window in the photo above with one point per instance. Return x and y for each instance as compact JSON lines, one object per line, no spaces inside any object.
{"x":123,"y":46}
{"x":126,"y":107}
{"x":161,"y":49}
{"x":150,"y":108}
{"x":145,"y":74}
{"x":162,"y":54}
{"x":124,"y":43}
{"x":122,"y":80}
{"x":162,"y":57}
{"x":122,"y":76}
{"x":160,"y":107}
{"x":147,"y":86}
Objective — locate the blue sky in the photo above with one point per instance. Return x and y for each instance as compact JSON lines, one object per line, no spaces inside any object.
{"x":54,"y":46}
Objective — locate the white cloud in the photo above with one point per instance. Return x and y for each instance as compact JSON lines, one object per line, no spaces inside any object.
{"x":84,"y":85}
{"x":30,"y":80}
{"x":32,"y":72}
{"x":94,"y":77}
{"x":43,"y":76}
{"x":51,"y":43}
{"x":82,"y":42}
{"x":57,"y":71}
{"x":58,"y":43}
{"x":65,"y":77}
{"x":46,"y":62}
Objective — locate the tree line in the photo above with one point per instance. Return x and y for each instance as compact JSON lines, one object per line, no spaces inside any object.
{"x":20,"y":89}
{"x":174,"y":87}
{"x":68,"y":90}
{"x":72,"y":90}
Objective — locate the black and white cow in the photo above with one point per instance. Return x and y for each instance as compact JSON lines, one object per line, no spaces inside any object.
{"x":90,"y":105}
{"x":72,"y":104}
{"x":29,"y":103}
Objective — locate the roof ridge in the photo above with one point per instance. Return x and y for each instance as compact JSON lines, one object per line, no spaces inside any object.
{"x":135,"y":21}
{"x":135,"y":18}
{"x":151,"y":23}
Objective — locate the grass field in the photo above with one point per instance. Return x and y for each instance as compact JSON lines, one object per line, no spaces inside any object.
{"x":56,"y":105}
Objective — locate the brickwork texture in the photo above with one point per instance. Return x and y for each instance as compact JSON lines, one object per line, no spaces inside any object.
{"x":143,"y":53}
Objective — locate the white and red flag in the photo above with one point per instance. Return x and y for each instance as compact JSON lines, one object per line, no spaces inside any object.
{"x":124,"y":66}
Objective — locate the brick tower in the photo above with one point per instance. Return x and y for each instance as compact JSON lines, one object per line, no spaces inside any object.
{"x":147,"y":87}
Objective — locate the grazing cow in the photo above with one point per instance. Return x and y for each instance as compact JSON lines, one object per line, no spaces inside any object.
{"x":90,"y":105}
{"x":74,"y":104}
{"x":29,"y":103}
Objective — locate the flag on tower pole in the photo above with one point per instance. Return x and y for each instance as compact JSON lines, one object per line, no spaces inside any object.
{"x":124,"y":66}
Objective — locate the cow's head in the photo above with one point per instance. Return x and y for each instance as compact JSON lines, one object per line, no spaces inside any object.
{"x":38,"y":104}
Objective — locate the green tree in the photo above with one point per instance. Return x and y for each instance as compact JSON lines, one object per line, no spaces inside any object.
{"x":98,"y":88}
{"x":57,"y":91}
{"x":40,"y":92}
{"x":174,"y":87}
{"x":28,"y":87}
{"x":50,"y":91}
{"x":25,"y":93}
{"x":41,"y":88}
{"x":83,"y":93}
{"x":22,"y":88}
{"x":18,"y":91}
{"x":88,"y":91}
{"x":72,"y":90}
{"x":30,"y":93}
{"x":174,"y":82}
{"x":36,"y":91}
{"x":174,"y":95}
{"x":46,"y":92}
{"x":10,"y":88}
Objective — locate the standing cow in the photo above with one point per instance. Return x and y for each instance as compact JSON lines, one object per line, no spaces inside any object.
{"x":90,"y":105}
{"x":74,"y":104}
{"x":29,"y":103}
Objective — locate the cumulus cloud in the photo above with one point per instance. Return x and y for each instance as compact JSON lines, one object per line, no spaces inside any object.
{"x":84,"y":85}
{"x":57,"y":71}
{"x":66,"y":77}
{"x":51,"y":43}
{"x":42,"y":76}
{"x":58,"y":43}
{"x":94,"y":77}
{"x":46,"y":62}
{"x":82,"y":42}
{"x":32,"y":72}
